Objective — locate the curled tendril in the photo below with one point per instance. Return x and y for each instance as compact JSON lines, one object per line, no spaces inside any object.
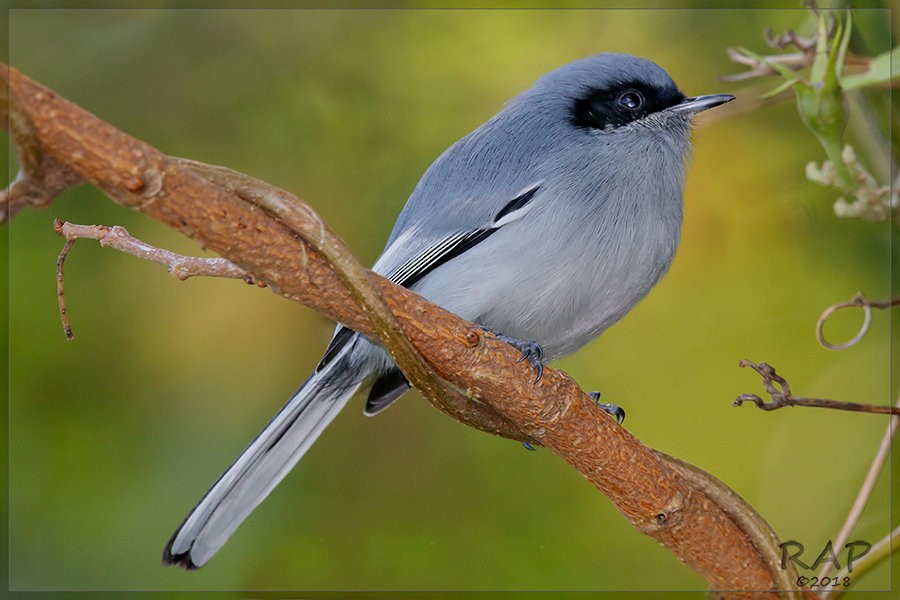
{"x":858,"y":301}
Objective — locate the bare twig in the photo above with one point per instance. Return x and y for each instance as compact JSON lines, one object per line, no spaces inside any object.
{"x":781,"y":395}
{"x":179,"y":266}
{"x":879,"y":551}
{"x":60,"y":295}
{"x":803,"y":57}
{"x":858,"y":301}
{"x":865,"y":491}
{"x":792,"y":38}
{"x":762,"y":67}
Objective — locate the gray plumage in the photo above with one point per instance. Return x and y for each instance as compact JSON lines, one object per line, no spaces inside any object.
{"x":548,"y":223}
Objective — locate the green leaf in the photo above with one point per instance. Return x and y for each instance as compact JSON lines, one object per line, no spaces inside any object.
{"x":844,"y":44}
{"x":880,"y":72}
{"x":787,"y":84}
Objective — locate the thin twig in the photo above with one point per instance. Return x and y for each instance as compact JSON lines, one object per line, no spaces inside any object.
{"x":879,"y":551}
{"x":865,"y":491}
{"x":803,"y":57}
{"x":762,"y":67}
{"x":858,"y":301}
{"x":791,"y":38}
{"x":179,"y":266}
{"x":60,"y":295}
{"x":781,"y":395}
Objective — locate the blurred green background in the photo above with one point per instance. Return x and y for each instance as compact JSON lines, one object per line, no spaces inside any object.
{"x":115,"y":435}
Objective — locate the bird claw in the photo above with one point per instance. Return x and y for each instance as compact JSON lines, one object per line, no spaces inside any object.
{"x":616,"y":411}
{"x":531,"y":351}
{"x":535,"y":355}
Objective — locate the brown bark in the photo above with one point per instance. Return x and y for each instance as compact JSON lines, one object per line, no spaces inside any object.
{"x":706,"y":525}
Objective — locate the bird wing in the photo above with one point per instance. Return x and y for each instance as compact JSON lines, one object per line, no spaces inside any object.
{"x":444,"y":249}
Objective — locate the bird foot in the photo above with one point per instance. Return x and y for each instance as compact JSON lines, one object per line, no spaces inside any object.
{"x":530,"y":351}
{"x":611,"y":409}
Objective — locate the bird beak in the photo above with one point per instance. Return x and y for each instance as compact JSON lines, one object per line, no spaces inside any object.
{"x":701,"y":103}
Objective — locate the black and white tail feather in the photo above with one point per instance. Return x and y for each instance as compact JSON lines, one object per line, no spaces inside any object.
{"x":262,"y":465}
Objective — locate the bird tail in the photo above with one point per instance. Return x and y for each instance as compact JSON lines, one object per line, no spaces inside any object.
{"x":261,"y":466}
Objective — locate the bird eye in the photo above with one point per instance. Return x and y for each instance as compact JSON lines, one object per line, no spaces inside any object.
{"x":630,"y":100}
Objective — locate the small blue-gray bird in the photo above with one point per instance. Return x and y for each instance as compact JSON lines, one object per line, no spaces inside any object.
{"x":546,"y":224}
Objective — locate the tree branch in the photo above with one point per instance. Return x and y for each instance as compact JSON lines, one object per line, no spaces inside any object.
{"x":40,"y":177}
{"x":653,"y":492}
